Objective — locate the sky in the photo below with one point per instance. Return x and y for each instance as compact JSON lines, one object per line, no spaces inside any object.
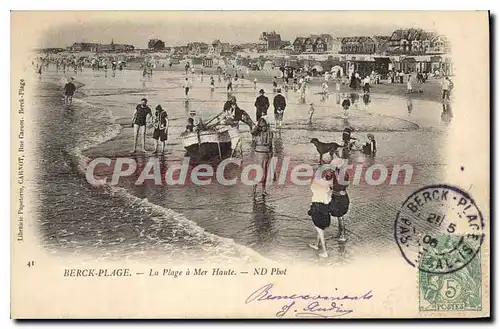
{"x":178,"y":28}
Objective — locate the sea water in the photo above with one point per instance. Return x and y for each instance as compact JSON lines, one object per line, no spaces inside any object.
{"x":214,"y":220}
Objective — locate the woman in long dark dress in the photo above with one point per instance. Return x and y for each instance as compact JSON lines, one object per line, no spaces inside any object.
{"x":339,"y":205}
{"x":353,"y":82}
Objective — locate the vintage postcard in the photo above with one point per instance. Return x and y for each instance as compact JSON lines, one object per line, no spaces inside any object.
{"x":292,"y":164}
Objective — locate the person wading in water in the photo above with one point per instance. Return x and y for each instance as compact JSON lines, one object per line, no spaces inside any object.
{"x":264,"y":150}
{"x":279,"y":103}
{"x":69,"y":92}
{"x":370,"y":146}
{"x":339,"y":204}
{"x":346,"y":103}
{"x":320,"y":209}
{"x":212,"y":83}
{"x":161,"y":124}
{"x":261,"y":104}
{"x":142,"y":111}
{"x":187,"y":87}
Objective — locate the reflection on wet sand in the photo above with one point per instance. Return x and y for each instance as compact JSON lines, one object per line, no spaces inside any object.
{"x":279,"y":149}
{"x":281,"y":218}
{"x":446,"y":115}
{"x":263,"y":220}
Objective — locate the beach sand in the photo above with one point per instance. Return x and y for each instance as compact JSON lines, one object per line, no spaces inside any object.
{"x":276,"y":226}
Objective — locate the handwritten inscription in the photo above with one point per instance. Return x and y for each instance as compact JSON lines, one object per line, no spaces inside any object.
{"x":309,"y":305}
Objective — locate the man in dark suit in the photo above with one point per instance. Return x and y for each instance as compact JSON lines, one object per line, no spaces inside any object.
{"x":279,"y":107}
{"x":261,"y":104}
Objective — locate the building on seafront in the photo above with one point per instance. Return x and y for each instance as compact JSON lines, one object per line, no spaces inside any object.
{"x":97,"y":47}
{"x":82,"y":46}
{"x":314,"y":43}
{"x":358,"y":45}
{"x":418,"y":50}
{"x":406,"y":50}
{"x":417,"y":42}
{"x":220,"y":48}
{"x":272,"y":40}
{"x":198,"y":48}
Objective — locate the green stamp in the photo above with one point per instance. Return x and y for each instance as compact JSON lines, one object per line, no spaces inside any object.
{"x":440,"y":230}
{"x":455,"y":291}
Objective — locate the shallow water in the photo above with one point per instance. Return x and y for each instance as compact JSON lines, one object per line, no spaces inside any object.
{"x":276,"y":226}
{"x":100,"y":223}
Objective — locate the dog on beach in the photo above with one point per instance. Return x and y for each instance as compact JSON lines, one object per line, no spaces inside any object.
{"x":324,"y":148}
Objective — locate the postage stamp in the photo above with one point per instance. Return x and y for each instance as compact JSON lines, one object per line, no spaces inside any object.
{"x":456,"y":291}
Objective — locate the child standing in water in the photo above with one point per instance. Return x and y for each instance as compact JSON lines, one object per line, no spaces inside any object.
{"x":311,"y":111}
{"x":324,"y":88}
{"x":212,"y":83}
{"x":370,"y":145}
{"x":187,"y":87}
{"x":409,"y":85}
{"x":320,"y":211}
{"x":346,"y":103}
{"x":275,"y":84}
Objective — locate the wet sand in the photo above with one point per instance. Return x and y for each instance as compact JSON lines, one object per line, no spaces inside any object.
{"x":277,"y":226}
{"x":431,"y":89}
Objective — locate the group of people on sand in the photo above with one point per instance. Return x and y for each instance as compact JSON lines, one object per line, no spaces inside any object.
{"x":262,"y":105}
{"x":187,"y":84}
{"x":330,"y":196}
{"x":160,"y":122}
{"x":329,"y":192}
{"x":367,"y":146}
{"x":231,"y":114}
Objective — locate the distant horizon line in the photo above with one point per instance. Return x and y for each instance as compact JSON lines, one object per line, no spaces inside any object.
{"x":178,"y":44}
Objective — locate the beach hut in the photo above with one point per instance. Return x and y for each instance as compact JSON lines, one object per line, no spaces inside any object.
{"x":316,"y":69}
{"x":337,"y":71}
{"x":208,"y":62}
{"x":268,"y":66}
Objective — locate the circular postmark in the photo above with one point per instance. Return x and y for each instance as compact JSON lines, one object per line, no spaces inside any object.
{"x":439,"y":229}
